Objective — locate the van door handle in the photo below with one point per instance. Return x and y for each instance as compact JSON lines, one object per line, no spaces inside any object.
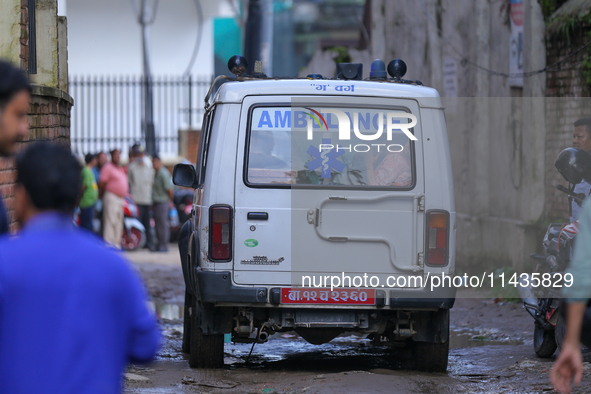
{"x":257,"y":216}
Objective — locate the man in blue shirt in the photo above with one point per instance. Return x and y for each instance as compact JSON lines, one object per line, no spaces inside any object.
{"x":73,"y":312}
{"x":15,"y":94}
{"x":569,"y":365}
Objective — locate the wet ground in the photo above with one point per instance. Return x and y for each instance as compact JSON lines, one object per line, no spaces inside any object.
{"x":491,"y":352}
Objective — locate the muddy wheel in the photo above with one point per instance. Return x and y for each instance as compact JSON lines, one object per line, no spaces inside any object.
{"x":559,"y":331}
{"x":544,"y":342}
{"x":431,"y":357}
{"x":206,"y":351}
{"x":186,"y":347}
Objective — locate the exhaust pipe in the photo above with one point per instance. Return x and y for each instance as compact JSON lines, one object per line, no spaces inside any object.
{"x":526,"y":293}
{"x":262,"y":336}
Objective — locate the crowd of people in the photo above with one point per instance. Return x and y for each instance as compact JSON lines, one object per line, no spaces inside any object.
{"x":105,"y":184}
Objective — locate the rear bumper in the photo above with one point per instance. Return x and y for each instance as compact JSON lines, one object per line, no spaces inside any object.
{"x":217,"y":287}
{"x":439,"y":298}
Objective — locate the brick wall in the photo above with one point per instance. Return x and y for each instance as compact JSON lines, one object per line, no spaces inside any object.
{"x":49,"y":119}
{"x":7,"y":177}
{"x":567,"y":99}
{"x":49,"y":113}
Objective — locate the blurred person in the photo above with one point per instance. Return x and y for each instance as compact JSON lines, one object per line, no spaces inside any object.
{"x":582,"y":140}
{"x":389,"y":169}
{"x":162,"y":193}
{"x":130,"y":156}
{"x":113,"y":185}
{"x":141,"y":179}
{"x":89,"y":193}
{"x":15,"y":95}
{"x":101,"y":160}
{"x":73,"y":312}
{"x":569,"y":364}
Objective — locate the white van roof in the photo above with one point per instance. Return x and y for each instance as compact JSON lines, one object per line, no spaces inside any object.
{"x":235,"y":91}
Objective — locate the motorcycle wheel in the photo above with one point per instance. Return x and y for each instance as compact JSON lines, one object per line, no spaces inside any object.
{"x":544,"y":342}
{"x":560,"y":331}
{"x":133,"y":240}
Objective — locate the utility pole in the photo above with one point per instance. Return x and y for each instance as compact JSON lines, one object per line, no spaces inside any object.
{"x":146,"y":16}
{"x":258,"y":37}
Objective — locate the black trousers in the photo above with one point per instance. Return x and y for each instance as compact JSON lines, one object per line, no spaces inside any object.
{"x":145,"y":220}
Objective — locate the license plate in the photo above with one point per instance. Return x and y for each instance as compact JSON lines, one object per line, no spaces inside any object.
{"x":326,"y":296}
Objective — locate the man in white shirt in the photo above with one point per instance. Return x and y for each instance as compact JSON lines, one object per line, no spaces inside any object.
{"x":141,"y":178}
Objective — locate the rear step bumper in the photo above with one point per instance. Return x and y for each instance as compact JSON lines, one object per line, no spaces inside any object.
{"x":218,"y":287}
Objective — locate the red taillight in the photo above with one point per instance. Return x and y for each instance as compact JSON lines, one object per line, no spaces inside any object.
{"x":437,"y":229}
{"x":221,"y":233}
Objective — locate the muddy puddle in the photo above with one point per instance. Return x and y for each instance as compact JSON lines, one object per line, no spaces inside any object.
{"x":289,"y":351}
{"x":167,"y":311}
{"x":483,"y":358}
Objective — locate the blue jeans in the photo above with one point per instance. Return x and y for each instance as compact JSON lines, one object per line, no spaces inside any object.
{"x":86,"y":216}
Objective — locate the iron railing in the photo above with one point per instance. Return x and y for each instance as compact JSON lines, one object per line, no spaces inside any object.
{"x":107,"y":111}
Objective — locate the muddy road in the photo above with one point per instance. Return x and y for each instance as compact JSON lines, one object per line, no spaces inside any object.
{"x":491,"y":352}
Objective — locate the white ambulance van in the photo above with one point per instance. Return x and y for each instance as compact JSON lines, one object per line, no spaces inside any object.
{"x":322,"y":206}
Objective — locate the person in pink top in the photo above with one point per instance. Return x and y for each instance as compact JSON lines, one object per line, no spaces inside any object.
{"x":113,"y":185}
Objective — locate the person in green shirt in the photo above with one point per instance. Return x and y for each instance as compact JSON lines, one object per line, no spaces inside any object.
{"x":162,"y":192}
{"x":89,"y":193}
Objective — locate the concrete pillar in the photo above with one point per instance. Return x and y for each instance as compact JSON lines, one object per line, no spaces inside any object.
{"x":10,"y":30}
{"x":47,"y":44}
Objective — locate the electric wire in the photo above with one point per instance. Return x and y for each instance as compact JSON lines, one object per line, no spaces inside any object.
{"x":198,"y":39}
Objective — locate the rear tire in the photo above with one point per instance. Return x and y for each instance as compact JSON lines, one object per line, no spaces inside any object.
{"x":431,"y":356}
{"x":206,"y":351}
{"x":186,"y":346}
{"x":544,"y":342}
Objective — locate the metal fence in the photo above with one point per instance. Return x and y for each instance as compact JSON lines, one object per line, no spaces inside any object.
{"x":107,"y":111}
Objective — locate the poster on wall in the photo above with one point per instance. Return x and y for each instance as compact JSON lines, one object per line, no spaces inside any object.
{"x":516,"y":44}
{"x":450,"y":83}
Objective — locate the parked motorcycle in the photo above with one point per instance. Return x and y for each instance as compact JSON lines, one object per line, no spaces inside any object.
{"x":134,"y":232}
{"x":544,"y":303}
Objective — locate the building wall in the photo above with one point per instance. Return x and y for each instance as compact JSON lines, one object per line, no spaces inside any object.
{"x":569,"y":92}
{"x":497,"y":132}
{"x":49,"y":113}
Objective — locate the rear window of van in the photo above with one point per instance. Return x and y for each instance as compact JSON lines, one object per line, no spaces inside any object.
{"x":334,"y":147}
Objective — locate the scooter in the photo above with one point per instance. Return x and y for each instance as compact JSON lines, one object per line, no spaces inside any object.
{"x":134,"y":232}
{"x":543,"y":303}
